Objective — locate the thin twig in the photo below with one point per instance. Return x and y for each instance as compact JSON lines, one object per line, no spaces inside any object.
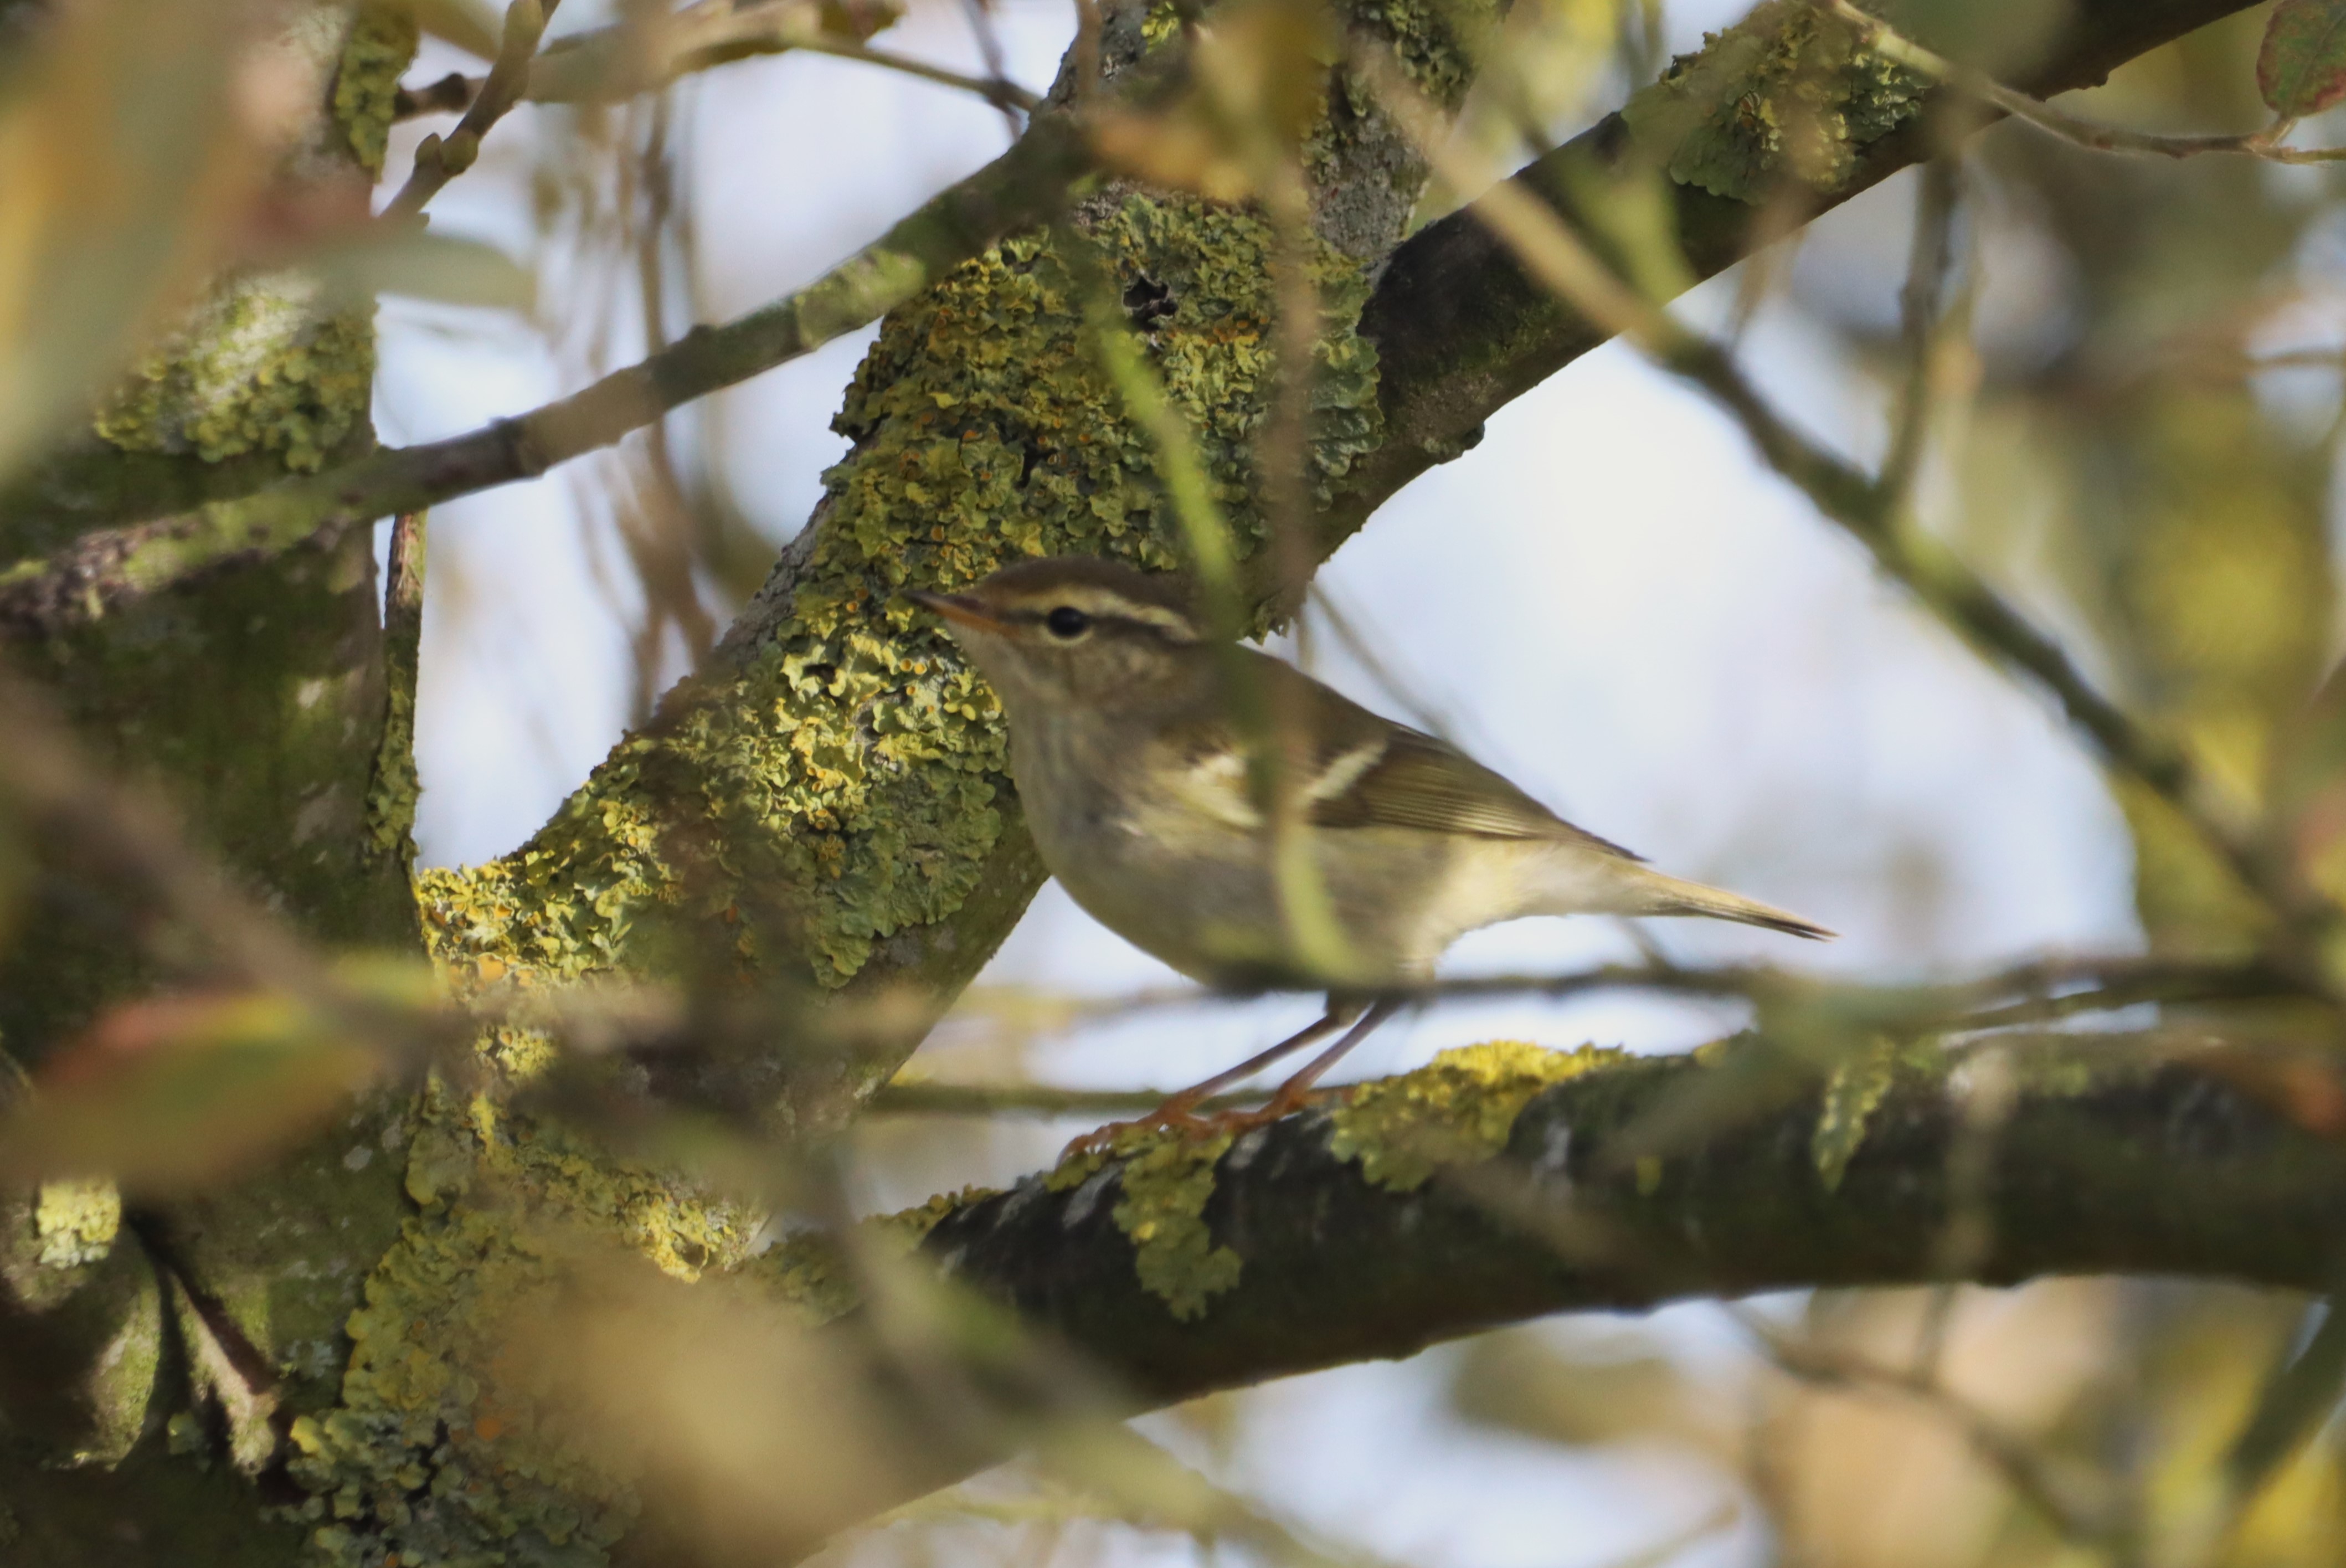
{"x":451,"y":95}
{"x":2037,"y":991}
{"x":439,"y":159}
{"x":928,"y":1099}
{"x":109,"y":568}
{"x":1283,"y":459}
{"x":989,"y":49}
{"x":1926,"y":278}
{"x":575,"y":72}
{"x":655,"y":530}
{"x":2041,"y":992}
{"x":1885,"y":41}
{"x":1000,"y":91}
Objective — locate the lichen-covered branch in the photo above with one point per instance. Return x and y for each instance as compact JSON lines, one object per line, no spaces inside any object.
{"x":2265,"y":143}
{"x":1373,"y":1229}
{"x":832,"y":787}
{"x":1459,"y":329}
{"x":1502,"y":1183}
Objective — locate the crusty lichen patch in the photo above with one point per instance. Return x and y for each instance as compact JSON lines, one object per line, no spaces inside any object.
{"x":809,"y":1270}
{"x":268,"y":362}
{"x":263,"y":365}
{"x":76,"y":1221}
{"x":438,"y":1451}
{"x":1437,"y":43}
{"x":381,"y":43}
{"x":1786,"y":94}
{"x":1456,"y":1110}
{"x":1165,"y":1179}
{"x":1854,"y":1088}
{"x":835,"y":782}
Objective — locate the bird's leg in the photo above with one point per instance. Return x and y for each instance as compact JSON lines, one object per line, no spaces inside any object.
{"x":1179,"y":1110}
{"x":1289,"y":1097}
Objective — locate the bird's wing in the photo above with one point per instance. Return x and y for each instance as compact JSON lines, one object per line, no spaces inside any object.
{"x":1363,"y":770}
{"x":1414,"y":781}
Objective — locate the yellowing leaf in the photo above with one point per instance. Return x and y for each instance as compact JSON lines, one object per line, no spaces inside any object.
{"x":175,"y":1092}
{"x":136,"y":132}
{"x":2301,"y":68}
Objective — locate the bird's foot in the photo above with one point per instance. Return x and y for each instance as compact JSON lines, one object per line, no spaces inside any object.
{"x":1179,"y":1117}
{"x":1175,"y":1116}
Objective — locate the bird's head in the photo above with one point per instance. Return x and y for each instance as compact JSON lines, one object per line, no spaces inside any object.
{"x":1073,"y":629}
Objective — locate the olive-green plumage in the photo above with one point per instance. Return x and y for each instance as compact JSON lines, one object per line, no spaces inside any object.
{"x":1129,"y":736}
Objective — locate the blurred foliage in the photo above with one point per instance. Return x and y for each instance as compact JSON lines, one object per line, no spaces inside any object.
{"x":2122,"y":453}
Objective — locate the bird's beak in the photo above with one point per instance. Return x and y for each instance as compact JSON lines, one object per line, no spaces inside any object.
{"x":959,"y":608}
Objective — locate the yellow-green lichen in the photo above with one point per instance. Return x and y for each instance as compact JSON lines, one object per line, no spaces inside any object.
{"x":1165,"y":1180}
{"x":395,"y":789}
{"x":808,"y":1271}
{"x":1456,"y":1110}
{"x":381,"y":43}
{"x":263,"y":366}
{"x":1787,"y":94}
{"x":76,"y":1221}
{"x":1854,"y":1087}
{"x":1163,"y":20}
{"x":835,"y":783}
{"x":1436,"y":41}
{"x":441,"y":1450}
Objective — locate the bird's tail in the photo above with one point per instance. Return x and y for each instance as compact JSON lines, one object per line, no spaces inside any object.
{"x":1666,"y":895}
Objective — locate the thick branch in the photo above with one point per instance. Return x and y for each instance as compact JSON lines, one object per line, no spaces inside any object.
{"x":2102,"y":1164}
{"x":1633,"y":1183}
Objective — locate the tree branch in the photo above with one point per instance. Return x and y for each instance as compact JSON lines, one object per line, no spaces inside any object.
{"x":2103,"y":1154}
{"x":2102,"y":1165}
{"x":1463,"y":329}
{"x":580,"y":69}
{"x":108,"y":569}
{"x":439,"y":159}
{"x":2089,"y":133}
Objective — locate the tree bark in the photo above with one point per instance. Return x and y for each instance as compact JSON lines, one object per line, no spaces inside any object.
{"x":1649,"y":1180}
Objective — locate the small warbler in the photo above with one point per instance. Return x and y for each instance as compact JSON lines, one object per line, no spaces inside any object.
{"x":1320,"y":847}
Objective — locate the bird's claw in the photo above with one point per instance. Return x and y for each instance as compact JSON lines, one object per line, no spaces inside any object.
{"x":1183,"y":1122}
{"x":1170,"y":1117}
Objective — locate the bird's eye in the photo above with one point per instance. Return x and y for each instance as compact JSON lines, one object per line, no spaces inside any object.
{"x":1068,"y":621}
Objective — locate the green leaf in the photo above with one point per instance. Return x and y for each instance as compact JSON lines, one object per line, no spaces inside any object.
{"x":2301,"y":69}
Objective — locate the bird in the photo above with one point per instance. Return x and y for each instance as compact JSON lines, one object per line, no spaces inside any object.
{"x":1255,"y":829}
